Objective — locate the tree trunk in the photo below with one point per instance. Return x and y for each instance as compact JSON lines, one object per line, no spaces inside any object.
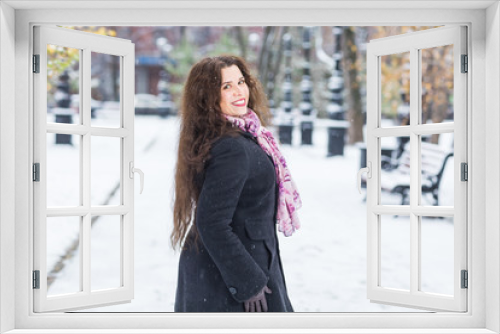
{"x":264,"y":54}
{"x":240,"y":37}
{"x":272,"y":55}
{"x":115,"y":68}
{"x":355,"y":108}
{"x":277,"y":64}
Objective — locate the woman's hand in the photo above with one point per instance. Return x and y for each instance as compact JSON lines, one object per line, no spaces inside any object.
{"x":258,"y":303}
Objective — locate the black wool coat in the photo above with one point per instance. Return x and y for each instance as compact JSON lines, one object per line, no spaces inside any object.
{"x":238,"y":251}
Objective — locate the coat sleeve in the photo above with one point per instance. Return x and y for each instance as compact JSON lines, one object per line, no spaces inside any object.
{"x":225,"y":176}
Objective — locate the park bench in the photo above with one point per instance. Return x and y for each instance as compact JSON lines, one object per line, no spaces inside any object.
{"x":396,"y":178}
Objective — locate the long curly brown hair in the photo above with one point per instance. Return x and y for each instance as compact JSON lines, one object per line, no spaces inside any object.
{"x":201,"y":124}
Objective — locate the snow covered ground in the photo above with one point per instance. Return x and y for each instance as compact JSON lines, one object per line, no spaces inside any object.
{"x":324,"y":261}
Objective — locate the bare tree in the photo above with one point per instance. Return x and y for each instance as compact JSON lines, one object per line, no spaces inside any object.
{"x":355,"y":108}
{"x":182,"y":33}
{"x":240,"y":37}
{"x":265,"y":53}
{"x":279,"y":55}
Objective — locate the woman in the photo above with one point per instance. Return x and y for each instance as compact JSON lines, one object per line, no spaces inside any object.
{"x":232,"y":181}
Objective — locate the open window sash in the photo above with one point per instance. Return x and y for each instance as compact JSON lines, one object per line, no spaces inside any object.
{"x":412,"y":45}
{"x":87,"y":45}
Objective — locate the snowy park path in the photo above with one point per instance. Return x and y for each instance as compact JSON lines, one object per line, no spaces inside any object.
{"x":324,"y":262}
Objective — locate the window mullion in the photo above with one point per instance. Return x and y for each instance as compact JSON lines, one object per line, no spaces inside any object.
{"x":395,"y":131}
{"x":85,"y":254}
{"x":373,"y":192}
{"x":69,"y":129}
{"x":78,"y":129}
{"x":86,"y":138}
{"x":414,"y":170}
{"x":107,"y":132}
{"x":427,"y":129}
{"x":86,"y":177}
{"x":430,"y":129}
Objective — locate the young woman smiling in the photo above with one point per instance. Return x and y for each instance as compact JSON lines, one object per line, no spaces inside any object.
{"x":233,"y":184}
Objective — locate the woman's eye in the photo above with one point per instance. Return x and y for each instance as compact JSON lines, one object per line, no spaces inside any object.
{"x":242,"y":81}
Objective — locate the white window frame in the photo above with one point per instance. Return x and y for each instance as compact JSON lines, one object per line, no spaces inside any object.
{"x":412,"y":44}
{"x":86,"y":43}
{"x":483,"y":124}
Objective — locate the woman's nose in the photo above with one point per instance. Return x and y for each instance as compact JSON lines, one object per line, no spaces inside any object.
{"x":237,"y":90}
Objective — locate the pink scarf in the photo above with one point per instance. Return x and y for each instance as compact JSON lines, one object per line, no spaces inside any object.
{"x":289,"y":199}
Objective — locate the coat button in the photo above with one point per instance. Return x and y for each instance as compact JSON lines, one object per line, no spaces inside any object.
{"x":252,"y":246}
{"x":233,"y":290}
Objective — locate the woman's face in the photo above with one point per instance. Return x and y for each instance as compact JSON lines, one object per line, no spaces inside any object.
{"x":233,"y":92}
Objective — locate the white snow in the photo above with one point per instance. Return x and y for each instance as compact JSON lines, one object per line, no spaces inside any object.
{"x":324,"y":262}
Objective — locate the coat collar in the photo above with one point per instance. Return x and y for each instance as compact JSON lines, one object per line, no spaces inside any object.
{"x":247,"y":134}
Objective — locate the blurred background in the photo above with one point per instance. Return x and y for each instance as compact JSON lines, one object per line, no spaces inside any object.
{"x":315,"y":81}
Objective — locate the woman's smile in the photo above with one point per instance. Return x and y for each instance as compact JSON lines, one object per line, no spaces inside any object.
{"x":239,"y":103}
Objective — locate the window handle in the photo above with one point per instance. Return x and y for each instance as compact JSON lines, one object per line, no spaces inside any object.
{"x":136,"y":170}
{"x":368,"y":171}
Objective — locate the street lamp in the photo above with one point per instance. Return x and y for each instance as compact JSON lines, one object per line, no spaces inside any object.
{"x":286,"y":120}
{"x":337,"y":125}
{"x":63,"y":112}
{"x":164,"y":98}
{"x":306,"y":87}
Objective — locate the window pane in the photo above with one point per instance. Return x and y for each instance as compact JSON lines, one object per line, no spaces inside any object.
{"x":63,"y":84}
{"x":437,"y":260}
{"x":437,"y":169}
{"x":437,"y":84}
{"x":395,"y":170}
{"x":63,"y":245}
{"x":105,"y":256}
{"x":105,"y":170}
{"x":105,"y":90}
{"x":395,"y":252}
{"x":63,"y":170}
{"x":395,"y":89}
